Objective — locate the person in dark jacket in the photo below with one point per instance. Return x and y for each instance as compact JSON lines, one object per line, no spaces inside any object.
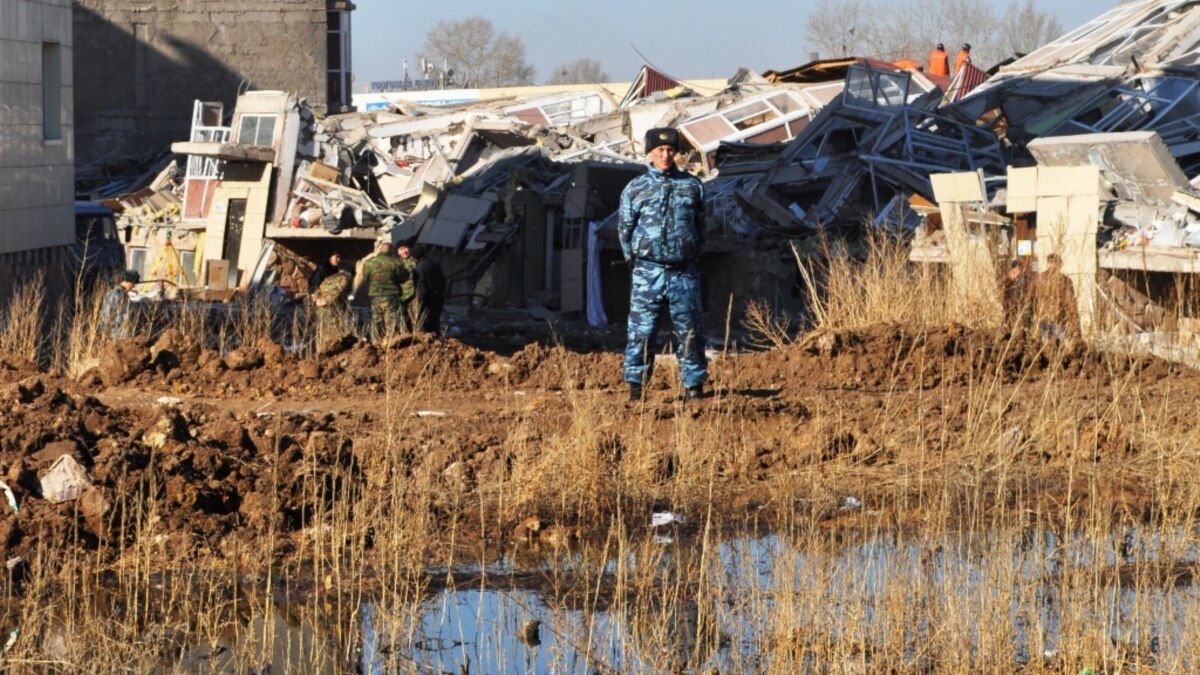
{"x":430,"y":284}
{"x":118,"y":314}
{"x":327,"y":268}
{"x":661,"y":229}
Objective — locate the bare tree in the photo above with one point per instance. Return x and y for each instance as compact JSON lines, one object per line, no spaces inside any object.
{"x":508,"y":63}
{"x":840,"y":28}
{"x":910,"y":28}
{"x":1027,"y":28}
{"x":478,"y":55}
{"x":579,"y":71}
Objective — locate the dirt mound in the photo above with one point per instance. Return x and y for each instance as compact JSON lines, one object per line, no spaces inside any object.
{"x":205,"y":471}
{"x":197,"y":450}
{"x":896,"y":357}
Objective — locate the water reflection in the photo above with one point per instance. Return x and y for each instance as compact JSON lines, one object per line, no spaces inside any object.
{"x":730,"y":611}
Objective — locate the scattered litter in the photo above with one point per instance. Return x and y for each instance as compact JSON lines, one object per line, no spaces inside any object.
{"x":431,"y":413}
{"x":8,"y":494}
{"x":168,"y":400}
{"x":662,"y":539}
{"x":65,"y":481}
{"x":851,"y":504}
{"x":12,"y":639}
{"x":664,"y":518}
{"x":1013,"y":437}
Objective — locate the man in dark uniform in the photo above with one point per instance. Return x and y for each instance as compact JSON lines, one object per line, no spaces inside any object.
{"x":662,"y":233}
{"x":430,"y":290}
{"x":325,"y":269}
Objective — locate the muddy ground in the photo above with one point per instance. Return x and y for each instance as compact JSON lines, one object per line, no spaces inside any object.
{"x":228,"y":447}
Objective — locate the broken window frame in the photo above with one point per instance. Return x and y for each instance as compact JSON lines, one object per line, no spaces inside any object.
{"x":861,"y":78}
{"x":735,"y":119}
{"x":204,"y":172}
{"x":938,"y":151}
{"x":1135,"y":107}
{"x":1125,"y":40}
{"x":257,"y":135}
{"x":564,"y":110}
{"x":1066,"y":46}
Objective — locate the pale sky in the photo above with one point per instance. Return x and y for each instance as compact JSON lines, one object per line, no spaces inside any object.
{"x":688,"y":39}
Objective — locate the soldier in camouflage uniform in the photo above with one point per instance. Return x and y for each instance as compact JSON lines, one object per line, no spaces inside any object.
{"x":330,"y":299}
{"x":662,"y":232}
{"x":408,"y":290}
{"x":384,"y":275}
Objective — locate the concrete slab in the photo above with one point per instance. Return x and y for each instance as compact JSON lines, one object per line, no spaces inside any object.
{"x":1136,"y":164}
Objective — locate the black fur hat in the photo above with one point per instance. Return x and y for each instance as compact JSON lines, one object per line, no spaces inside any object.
{"x":662,"y":136}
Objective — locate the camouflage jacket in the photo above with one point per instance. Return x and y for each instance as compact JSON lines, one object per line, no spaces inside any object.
{"x":385,"y":276}
{"x":408,"y":289}
{"x":662,"y":218}
{"x":333,"y":289}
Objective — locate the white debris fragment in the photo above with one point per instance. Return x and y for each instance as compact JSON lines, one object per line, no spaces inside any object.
{"x":8,"y":495}
{"x":664,"y":518}
{"x":65,"y":481}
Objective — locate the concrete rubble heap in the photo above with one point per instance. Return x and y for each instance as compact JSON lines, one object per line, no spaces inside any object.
{"x":504,"y":190}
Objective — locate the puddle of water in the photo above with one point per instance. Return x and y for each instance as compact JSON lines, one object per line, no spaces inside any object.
{"x":984,"y":579}
{"x":729,"y":612}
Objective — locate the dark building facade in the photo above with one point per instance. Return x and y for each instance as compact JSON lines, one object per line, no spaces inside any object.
{"x":139,"y":65}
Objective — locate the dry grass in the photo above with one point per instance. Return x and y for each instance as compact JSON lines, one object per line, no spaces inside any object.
{"x":847,"y":294}
{"x":21,"y":332}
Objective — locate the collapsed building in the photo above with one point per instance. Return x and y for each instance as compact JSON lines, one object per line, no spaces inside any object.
{"x":516,"y":196}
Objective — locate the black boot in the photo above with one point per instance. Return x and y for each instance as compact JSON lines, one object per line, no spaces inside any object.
{"x":694,"y":393}
{"x":635,"y":392}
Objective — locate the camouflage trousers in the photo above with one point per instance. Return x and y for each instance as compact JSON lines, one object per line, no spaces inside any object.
{"x":385,"y":316}
{"x":654,"y":287}
{"x":331,"y":324}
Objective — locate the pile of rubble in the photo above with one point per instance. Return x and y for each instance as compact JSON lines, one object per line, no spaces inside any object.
{"x":517,"y":195}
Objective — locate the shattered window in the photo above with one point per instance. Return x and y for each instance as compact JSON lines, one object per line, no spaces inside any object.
{"x":187,"y":261}
{"x":869,"y":88}
{"x":1140,"y":103}
{"x":764,"y":119}
{"x":137,"y":261}
{"x":1077,"y":39}
{"x":256,"y":130}
{"x":751,"y":115}
{"x":786,"y":104}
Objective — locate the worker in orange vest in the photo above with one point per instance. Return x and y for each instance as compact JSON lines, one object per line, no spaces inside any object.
{"x":964,"y":56}
{"x":939,"y":61}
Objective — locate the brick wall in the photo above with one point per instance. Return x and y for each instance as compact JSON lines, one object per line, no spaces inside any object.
{"x":140,"y":65}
